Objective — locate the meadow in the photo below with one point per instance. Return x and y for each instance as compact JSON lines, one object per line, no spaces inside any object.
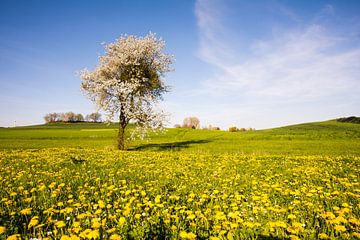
{"x":66,"y":181}
{"x":320,"y":138}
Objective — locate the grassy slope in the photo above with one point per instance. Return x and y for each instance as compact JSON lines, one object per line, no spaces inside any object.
{"x":329,"y":138}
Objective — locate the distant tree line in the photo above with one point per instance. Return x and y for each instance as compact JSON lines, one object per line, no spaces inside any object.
{"x":72,"y":117}
{"x":351,"y":119}
{"x":194,"y":123}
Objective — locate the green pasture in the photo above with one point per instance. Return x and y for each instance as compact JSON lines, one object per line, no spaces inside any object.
{"x":325,"y":138}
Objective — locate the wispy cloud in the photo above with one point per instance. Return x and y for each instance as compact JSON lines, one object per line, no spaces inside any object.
{"x":328,"y":9}
{"x":308,"y":61}
{"x":212,"y":49}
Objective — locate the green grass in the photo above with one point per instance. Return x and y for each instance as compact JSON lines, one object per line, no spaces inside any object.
{"x":66,"y":181}
{"x":325,"y":138}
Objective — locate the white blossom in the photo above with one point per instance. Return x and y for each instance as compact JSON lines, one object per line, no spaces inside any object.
{"x":128,"y":81}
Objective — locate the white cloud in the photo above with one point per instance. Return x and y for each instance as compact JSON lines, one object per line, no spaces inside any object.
{"x":305,"y":62}
{"x":328,"y":9}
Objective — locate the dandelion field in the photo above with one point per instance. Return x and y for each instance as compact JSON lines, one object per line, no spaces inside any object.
{"x":68,"y":193}
{"x":66,"y":181}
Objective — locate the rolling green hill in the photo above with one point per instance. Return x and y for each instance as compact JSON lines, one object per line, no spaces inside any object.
{"x":329,"y":137}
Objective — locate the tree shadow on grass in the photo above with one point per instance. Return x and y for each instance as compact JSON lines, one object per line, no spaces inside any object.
{"x":173,"y":146}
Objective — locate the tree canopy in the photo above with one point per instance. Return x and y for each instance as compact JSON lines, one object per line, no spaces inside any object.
{"x":128,"y":82}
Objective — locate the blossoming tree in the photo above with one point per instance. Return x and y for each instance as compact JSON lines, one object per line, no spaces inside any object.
{"x":128,"y":83}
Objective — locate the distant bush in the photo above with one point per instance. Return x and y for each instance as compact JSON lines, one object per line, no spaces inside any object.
{"x":233,"y":129}
{"x":177,"y":126}
{"x":351,"y":119}
{"x":213,"y":128}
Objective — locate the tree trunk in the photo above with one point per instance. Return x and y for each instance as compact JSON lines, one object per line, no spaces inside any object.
{"x":121,"y":135}
{"x":121,"y":138}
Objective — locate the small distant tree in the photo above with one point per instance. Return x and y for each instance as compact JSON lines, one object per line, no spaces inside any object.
{"x":128,"y":82}
{"x":69,"y":117}
{"x":79,"y":117}
{"x":210,"y":127}
{"x":233,"y":129}
{"x":177,"y":126}
{"x":51,"y":117}
{"x":191,"y":122}
{"x":94,"y":117}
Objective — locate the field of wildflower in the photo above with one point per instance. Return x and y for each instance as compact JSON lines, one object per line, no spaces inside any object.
{"x":62,"y":193}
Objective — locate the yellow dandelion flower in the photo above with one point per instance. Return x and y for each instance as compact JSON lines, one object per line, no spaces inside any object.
{"x":2,"y":229}
{"x":295,"y":228}
{"x":115,"y":237}
{"x":158,"y":199}
{"x":183,"y":235}
{"x":14,"y":237}
{"x":82,"y":215}
{"x":85,"y":233}
{"x":293,"y":237}
{"x":234,"y":225}
{"x":74,"y":237}
{"x":26,"y":211}
{"x":356,"y":234}
{"x":323,"y":236}
{"x":111,"y":230}
{"x":101,"y":204}
{"x":65,"y":237}
{"x":335,"y":208}
{"x":33,"y":222}
{"x":354,"y":221}
{"x":60,"y":224}
{"x":127,"y":211}
{"x":96,"y":224}
{"x":122,"y":221}
{"x":191,"y":236}
{"x":76,"y":224}
{"x":345,"y":205}
{"x":93,"y":234}
{"x":340,"y":228}
{"x":291,"y":216}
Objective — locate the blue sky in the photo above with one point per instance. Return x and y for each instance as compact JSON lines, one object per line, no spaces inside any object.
{"x":255,"y":64}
